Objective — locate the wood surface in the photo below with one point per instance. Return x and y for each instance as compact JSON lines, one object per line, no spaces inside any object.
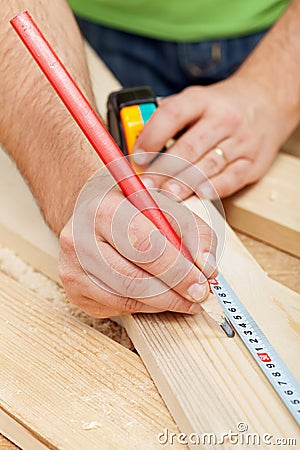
{"x":64,"y":385}
{"x":208,"y":381}
{"x":269,"y":210}
{"x":278,"y":265}
{"x":5,"y":444}
{"x":178,"y":349}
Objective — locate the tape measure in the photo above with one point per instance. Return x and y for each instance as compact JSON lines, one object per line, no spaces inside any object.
{"x":258,"y":345}
{"x":128,"y":111}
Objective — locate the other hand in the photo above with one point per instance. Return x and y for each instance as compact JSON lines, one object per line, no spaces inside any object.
{"x":232,"y":132}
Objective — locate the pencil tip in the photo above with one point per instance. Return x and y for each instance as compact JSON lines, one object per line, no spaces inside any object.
{"x":227,"y":328}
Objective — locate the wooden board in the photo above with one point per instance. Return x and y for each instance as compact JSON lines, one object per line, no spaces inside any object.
{"x":64,"y":385}
{"x":195,"y":366}
{"x":5,"y":444}
{"x":279,"y":266}
{"x":209,"y":382}
{"x":269,"y":210}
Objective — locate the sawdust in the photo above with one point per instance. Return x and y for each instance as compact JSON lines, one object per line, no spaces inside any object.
{"x":17,"y":269}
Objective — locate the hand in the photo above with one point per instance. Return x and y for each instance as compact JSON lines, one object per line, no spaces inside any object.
{"x":232,"y":133}
{"x":113,"y":261}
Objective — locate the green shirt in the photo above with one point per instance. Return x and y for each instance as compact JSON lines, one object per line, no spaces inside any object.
{"x":183,"y":20}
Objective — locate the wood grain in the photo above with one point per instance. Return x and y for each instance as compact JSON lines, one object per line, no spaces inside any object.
{"x":279,"y":266}
{"x":208,"y":381}
{"x":66,"y":385}
{"x":269,"y":210}
{"x":5,"y":444}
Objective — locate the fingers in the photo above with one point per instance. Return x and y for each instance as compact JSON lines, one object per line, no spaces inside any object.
{"x":161,"y":266}
{"x":234,"y":177}
{"x":187,"y":150}
{"x":197,"y":236}
{"x":99,"y":300}
{"x":216,"y":116}
{"x":112,"y":254}
{"x":95,"y":308}
{"x":211,"y":164}
{"x":173,"y":114}
{"x":205,"y":131}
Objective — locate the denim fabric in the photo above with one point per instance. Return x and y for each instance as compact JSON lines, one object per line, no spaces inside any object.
{"x":168,"y":67}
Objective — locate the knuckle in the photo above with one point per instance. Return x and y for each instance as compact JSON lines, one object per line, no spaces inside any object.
{"x":178,"y":305}
{"x":66,"y":240}
{"x":212,"y":163}
{"x":240,"y":175}
{"x":178,"y":272}
{"x":172,"y":110}
{"x":130,"y":305}
{"x":191,"y":91}
{"x":208,"y":241}
{"x":67,"y":275}
{"x":232,"y":118}
{"x":133,"y":285}
{"x":142,"y":243}
{"x":188,"y":149}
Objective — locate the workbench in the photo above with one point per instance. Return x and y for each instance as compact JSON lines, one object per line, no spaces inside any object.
{"x":279,"y":264}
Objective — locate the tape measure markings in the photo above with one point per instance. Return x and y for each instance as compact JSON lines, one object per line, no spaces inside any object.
{"x":283,"y":382}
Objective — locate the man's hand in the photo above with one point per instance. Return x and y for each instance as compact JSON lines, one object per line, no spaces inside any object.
{"x":246,"y":118}
{"x":232,"y":133}
{"x":114,"y":261}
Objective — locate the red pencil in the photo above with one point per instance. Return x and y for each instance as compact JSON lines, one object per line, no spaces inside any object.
{"x":94,"y":130}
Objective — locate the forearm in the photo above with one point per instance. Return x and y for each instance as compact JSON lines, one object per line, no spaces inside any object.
{"x":274,"y":65}
{"x":35,"y":127}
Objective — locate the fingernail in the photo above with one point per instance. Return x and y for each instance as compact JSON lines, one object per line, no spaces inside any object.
{"x":197,"y":291}
{"x":196,"y":308}
{"x":174,"y":188}
{"x":140,"y":157}
{"x":147,"y":182}
{"x":209,"y":260}
{"x":205,"y":190}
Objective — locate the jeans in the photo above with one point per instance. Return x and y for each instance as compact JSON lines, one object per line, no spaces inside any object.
{"x":168,"y":67}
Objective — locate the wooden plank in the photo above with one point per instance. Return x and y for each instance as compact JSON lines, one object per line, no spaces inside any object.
{"x":269,"y":209}
{"x":196,"y":367}
{"x":5,"y":444}
{"x":279,"y":266}
{"x":64,"y":385}
{"x":36,"y":243}
{"x":173,"y":345}
{"x":208,"y":381}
